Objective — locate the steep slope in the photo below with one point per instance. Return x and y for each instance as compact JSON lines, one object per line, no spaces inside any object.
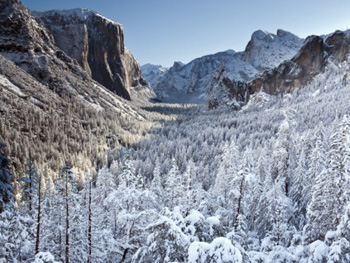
{"x":51,"y":109}
{"x":191,"y":82}
{"x":97,"y":43}
{"x":315,"y":54}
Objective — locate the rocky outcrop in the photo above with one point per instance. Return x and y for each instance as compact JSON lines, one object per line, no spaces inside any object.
{"x":225,"y":91}
{"x":292,"y":74}
{"x":25,"y":41}
{"x":309,"y":62}
{"x":97,"y":43}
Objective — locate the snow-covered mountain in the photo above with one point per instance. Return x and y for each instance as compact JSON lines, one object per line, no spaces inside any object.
{"x":153,"y":73}
{"x":316,"y":53}
{"x":266,"y":50}
{"x":190,"y":82}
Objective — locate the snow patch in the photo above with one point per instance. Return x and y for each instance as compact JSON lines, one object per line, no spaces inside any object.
{"x":7,"y":84}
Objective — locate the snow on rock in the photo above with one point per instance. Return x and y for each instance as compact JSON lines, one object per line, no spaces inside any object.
{"x":266,"y":50}
{"x":7,"y":84}
{"x":187,"y":83}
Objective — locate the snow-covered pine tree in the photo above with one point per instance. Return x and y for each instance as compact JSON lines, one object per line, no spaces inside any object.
{"x":173,"y":186}
{"x":66,"y":186}
{"x":165,"y":243}
{"x":6,"y":190}
{"x":280,"y":211}
{"x":29,"y":185}
{"x":157,"y":181}
{"x":188,"y":197}
{"x":331,"y":188}
{"x":283,"y":155}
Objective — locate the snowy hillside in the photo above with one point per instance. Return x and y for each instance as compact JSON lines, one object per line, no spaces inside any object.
{"x":189,"y":83}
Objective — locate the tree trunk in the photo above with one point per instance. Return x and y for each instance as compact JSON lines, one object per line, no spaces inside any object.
{"x":37,"y":243}
{"x":239,"y":203}
{"x":90,"y":223}
{"x":67,"y":222}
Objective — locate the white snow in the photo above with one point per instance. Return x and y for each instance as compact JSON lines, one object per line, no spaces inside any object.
{"x":220,"y":250}
{"x":80,"y":13}
{"x":194,"y":217}
{"x":45,"y":257}
{"x":7,"y":84}
{"x":318,"y":250}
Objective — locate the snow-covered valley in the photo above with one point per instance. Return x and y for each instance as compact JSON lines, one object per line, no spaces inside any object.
{"x":94,"y":171}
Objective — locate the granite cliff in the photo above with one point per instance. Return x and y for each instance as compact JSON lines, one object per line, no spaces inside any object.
{"x":97,"y":43}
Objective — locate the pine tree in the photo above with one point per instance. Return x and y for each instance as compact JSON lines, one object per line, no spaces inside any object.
{"x":38,"y":223}
{"x":157,"y":185}
{"x":165,"y":243}
{"x":283,"y":155}
{"x":30,"y":183}
{"x":188,"y":200}
{"x":227,"y":170}
{"x":66,"y":183}
{"x":330,"y":191}
{"x":6,"y":190}
{"x":280,"y":212}
{"x":173,"y":186}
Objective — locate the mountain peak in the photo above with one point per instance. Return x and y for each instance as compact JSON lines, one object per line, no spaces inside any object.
{"x":267,"y":50}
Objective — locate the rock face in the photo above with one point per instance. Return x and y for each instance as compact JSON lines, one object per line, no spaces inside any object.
{"x":227,"y":91}
{"x":294,"y":73}
{"x":310,"y":60}
{"x":191,"y":82}
{"x":25,"y":41}
{"x":97,"y":43}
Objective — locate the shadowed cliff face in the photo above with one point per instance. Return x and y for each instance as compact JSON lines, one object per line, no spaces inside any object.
{"x":97,"y":43}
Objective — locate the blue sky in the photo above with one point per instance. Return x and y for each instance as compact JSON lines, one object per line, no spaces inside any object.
{"x":164,"y":31}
